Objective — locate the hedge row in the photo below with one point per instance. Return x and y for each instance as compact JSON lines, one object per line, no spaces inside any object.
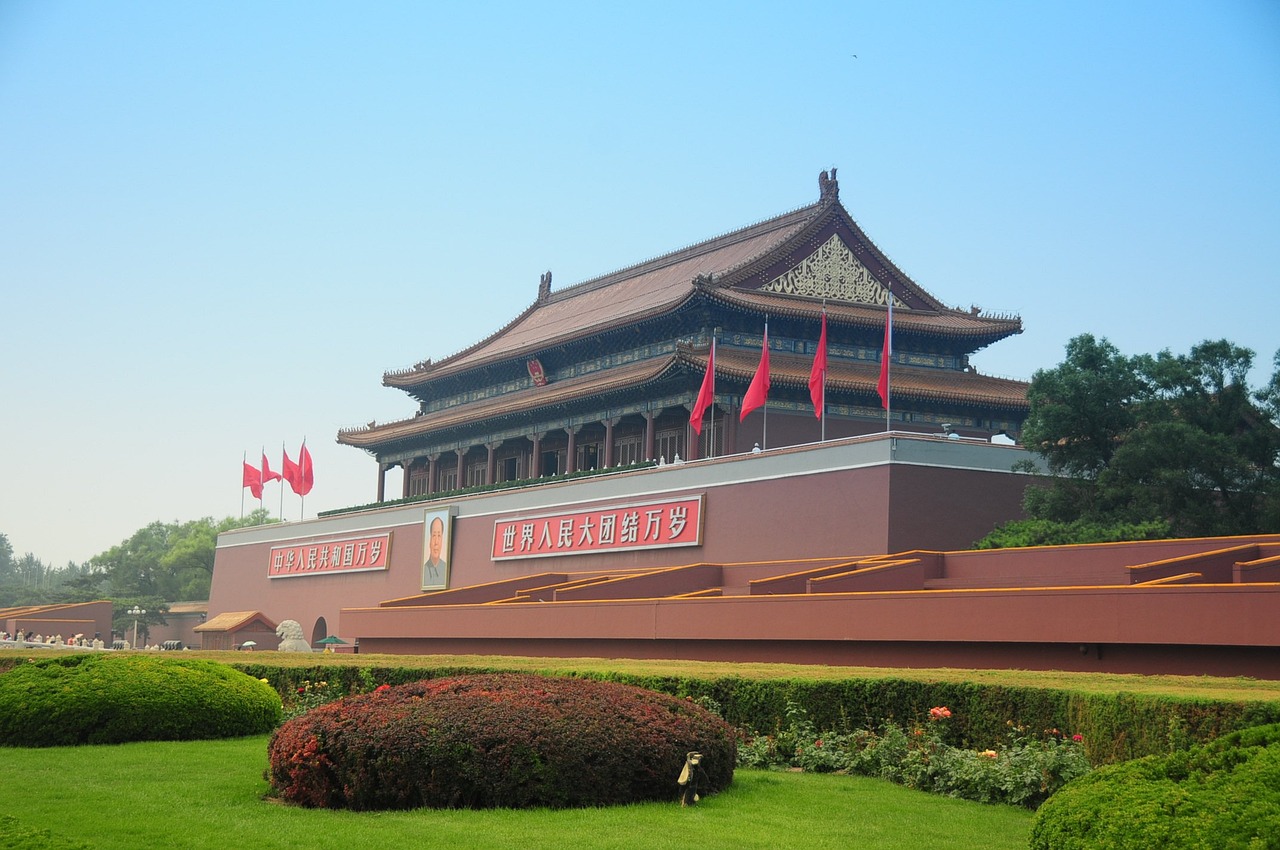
{"x":1224,"y":795}
{"x":111,"y":699}
{"x":1115,"y":727}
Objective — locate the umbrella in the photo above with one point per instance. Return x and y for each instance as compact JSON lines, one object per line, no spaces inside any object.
{"x":332,"y":639}
{"x":248,"y":643}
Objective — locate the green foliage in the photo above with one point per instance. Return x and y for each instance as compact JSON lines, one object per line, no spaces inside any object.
{"x":168,"y":561}
{"x":1223,"y":795}
{"x":1047,"y":532}
{"x":114,"y":698}
{"x":158,"y":564}
{"x":1024,"y":769}
{"x":15,"y":836}
{"x":1115,"y":725}
{"x":1136,"y":443}
{"x":503,"y":740}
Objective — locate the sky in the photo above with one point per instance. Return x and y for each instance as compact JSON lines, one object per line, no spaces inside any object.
{"x":221,"y":223}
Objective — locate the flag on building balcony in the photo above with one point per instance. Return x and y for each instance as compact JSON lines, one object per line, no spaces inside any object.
{"x":291,"y":473}
{"x":267,"y":475}
{"x":818,"y":374}
{"x":758,"y":391}
{"x":306,"y":473}
{"x":707,"y":394}
{"x":882,"y":386}
{"x":252,"y":479}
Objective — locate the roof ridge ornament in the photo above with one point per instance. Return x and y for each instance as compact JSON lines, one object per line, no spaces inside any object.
{"x":544,"y":286}
{"x":828,"y":186}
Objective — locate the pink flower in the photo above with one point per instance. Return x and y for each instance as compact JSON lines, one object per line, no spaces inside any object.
{"x":1078,"y":738}
{"x":940,"y":712}
{"x":381,"y":688}
{"x":818,"y":743}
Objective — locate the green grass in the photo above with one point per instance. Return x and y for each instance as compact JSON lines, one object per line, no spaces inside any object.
{"x":206,"y":794}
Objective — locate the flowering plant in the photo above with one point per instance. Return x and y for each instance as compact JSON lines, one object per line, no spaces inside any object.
{"x":1022,"y":769}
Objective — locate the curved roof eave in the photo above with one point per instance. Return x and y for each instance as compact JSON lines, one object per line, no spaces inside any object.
{"x":524,"y":401}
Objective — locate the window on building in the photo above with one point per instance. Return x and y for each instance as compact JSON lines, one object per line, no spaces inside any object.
{"x":627,"y":450}
{"x":550,"y":463}
{"x":476,"y":473}
{"x":669,"y":444}
{"x":449,"y":478}
{"x":589,"y":456}
{"x":509,"y":468}
{"x":418,"y":482}
{"x":711,"y":444}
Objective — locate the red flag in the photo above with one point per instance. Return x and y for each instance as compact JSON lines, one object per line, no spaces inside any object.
{"x":882,"y":386}
{"x":292,"y":473}
{"x":252,"y":479}
{"x":758,"y":391}
{"x":267,"y":475}
{"x":818,"y":375}
{"x":306,"y":474}
{"x":707,"y":394}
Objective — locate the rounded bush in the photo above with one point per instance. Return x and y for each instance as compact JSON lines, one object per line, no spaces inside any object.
{"x":112,"y":699}
{"x":1224,"y":795}
{"x":499,"y":740}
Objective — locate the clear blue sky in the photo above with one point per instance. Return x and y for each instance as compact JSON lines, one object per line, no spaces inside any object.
{"x":220,"y":223}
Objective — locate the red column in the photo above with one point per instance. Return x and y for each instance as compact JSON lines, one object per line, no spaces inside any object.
{"x":462,"y":472}
{"x":408,"y":467}
{"x":570,"y":462}
{"x":490,"y":462}
{"x":650,"y":438}
{"x":431,"y":473}
{"x":608,"y":442}
{"x":382,"y":482}
{"x":535,"y":465}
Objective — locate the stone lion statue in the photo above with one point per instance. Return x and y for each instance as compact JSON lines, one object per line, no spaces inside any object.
{"x":291,"y":640}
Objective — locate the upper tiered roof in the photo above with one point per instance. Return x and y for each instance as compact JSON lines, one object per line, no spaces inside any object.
{"x":787,"y":265}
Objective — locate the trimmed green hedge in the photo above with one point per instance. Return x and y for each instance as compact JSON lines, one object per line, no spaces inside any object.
{"x":1224,"y":795}
{"x":1115,"y":727}
{"x":111,"y":699}
{"x":515,"y":740}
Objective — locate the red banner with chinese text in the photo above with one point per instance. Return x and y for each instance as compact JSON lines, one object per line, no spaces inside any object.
{"x":649,"y":525}
{"x":352,"y":555}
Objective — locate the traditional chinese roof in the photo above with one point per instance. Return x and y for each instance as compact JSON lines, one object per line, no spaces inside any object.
{"x":909,"y":383}
{"x":621,"y":378}
{"x":790,"y":264}
{"x":232,"y":621}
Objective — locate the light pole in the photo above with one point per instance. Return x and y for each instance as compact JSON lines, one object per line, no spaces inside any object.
{"x":136,"y":612}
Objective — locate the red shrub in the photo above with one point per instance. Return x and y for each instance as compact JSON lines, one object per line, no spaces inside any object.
{"x":498,"y":740}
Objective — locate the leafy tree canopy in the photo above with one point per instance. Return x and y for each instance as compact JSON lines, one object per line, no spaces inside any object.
{"x":1163,"y":445}
{"x":157,"y":565}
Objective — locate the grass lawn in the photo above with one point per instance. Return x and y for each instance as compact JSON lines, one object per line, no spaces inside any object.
{"x":209,"y":794}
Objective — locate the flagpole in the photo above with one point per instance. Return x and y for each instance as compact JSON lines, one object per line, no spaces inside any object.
{"x":244,"y":459}
{"x":888,"y":364}
{"x":764,"y":429}
{"x":282,"y":481}
{"x":712,"y":436}
{"x":823,"y":435}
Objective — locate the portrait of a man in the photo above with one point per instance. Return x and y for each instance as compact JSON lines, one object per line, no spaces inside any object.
{"x":435,"y":563}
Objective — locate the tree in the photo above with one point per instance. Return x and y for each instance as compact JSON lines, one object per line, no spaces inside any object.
{"x":1173,"y":442}
{"x":167,"y":561}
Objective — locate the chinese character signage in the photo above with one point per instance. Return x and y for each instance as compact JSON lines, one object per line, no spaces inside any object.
{"x":352,"y":555}
{"x":650,"y":525}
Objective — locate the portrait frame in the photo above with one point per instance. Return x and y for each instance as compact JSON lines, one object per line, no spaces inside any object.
{"x":436,"y":570}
